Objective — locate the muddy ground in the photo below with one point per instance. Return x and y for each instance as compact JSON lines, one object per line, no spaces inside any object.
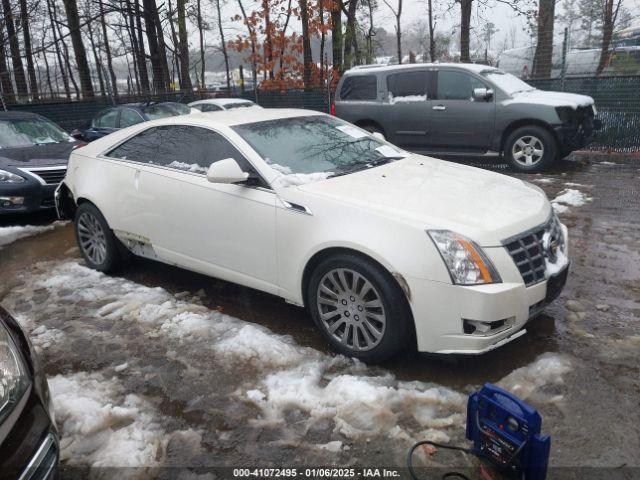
{"x":172,"y":372}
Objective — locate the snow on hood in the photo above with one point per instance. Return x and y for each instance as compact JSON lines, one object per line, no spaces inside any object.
{"x":552,"y":99}
{"x":485,"y":206}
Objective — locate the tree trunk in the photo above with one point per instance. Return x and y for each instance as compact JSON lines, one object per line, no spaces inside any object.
{"x":351,"y":54}
{"x":201,"y":38}
{"x":149,"y":10}
{"x":322,"y":40}
{"x":608,"y":23}
{"x":306,"y":44}
{"x":142,"y":55}
{"x":254,"y":53}
{"x":336,"y":36}
{"x":268,"y":41}
{"x":432,"y":40}
{"x":14,"y":46}
{"x":65,"y":51}
{"x":73,"y":22}
{"x":96,"y":59}
{"x":65,"y":80}
{"x":24,"y":22}
{"x":107,"y":51}
{"x":133,"y":41}
{"x":465,"y":29}
{"x":5,"y":75}
{"x":542,"y":59}
{"x":399,"y":31}
{"x":47,"y":70}
{"x":174,"y":39}
{"x":223,"y":45}
{"x":162,"y":49}
{"x":185,"y":78}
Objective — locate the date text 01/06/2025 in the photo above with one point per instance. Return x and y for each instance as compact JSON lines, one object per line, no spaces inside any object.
{"x":316,"y":473}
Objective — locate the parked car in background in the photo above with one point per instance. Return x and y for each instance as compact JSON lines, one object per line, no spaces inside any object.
{"x":466,"y":108}
{"x":218,"y":104}
{"x":33,"y":161}
{"x":114,"y":118}
{"x":28,"y":435}
{"x":384,"y":247}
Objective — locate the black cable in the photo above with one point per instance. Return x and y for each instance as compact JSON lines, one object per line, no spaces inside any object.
{"x":439,"y":445}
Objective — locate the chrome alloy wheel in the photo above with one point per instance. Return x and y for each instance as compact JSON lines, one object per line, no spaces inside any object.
{"x":527,"y":150}
{"x":92,"y":238}
{"x":351,"y":309}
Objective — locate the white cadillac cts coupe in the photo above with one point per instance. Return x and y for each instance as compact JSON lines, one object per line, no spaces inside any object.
{"x":386,"y":249}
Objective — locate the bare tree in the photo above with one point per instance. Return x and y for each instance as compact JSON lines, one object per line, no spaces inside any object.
{"x":610,"y":15}
{"x":465,"y":29}
{"x":397,"y":13}
{"x":432,"y":39}
{"x":5,"y":75}
{"x":306,"y":43}
{"x":14,"y":47}
{"x":185,"y":78}
{"x":73,"y":23}
{"x":223,"y":44}
{"x":542,"y":59}
{"x":28,"y":53}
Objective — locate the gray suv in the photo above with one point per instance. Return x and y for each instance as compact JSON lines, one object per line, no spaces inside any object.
{"x":466,"y":108}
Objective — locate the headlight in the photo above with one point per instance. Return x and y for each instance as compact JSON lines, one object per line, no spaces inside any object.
{"x":467,"y":263}
{"x":8,"y":177}
{"x":14,"y":379}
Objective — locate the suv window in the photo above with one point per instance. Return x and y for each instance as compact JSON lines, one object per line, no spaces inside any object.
{"x":107,"y":119}
{"x":407,"y":84}
{"x":129,"y":117}
{"x":183,"y":147}
{"x":457,"y":85}
{"x":359,"y":87}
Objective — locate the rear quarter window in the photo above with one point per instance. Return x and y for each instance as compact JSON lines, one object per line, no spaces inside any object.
{"x":359,"y":87}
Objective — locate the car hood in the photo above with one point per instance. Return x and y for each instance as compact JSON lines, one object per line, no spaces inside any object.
{"x":553,"y":99}
{"x":37,"y":155}
{"x":433,"y":194}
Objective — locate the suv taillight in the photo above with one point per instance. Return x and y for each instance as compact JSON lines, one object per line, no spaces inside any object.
{"x":333,"y":109}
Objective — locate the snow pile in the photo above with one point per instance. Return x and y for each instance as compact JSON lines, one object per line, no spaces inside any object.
{"x":187,"y":167}
{"x":528,"y":382}
{"x":295,"y":179}
{"x":43,"y":337}
{"x":11,"y":234}
{"x":569,"y":198}
{"x":103,"y":427}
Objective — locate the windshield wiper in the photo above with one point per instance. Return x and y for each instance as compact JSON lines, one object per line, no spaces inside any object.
{"x":359,"y":166}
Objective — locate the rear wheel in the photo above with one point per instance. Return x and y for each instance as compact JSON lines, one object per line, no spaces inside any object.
{"x":531,"y":149}
{"x":359,"y":308}
{"x":98,"y":245}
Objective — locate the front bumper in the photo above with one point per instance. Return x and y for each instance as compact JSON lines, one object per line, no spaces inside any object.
{"x":443,"y":312}
{"x":36,"y":196}
{"x":577,"y":136}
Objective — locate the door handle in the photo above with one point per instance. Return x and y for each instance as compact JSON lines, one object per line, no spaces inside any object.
{"x":439,"y":107}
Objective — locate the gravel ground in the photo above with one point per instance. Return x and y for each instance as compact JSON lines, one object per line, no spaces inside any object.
{"x":167,"y":372}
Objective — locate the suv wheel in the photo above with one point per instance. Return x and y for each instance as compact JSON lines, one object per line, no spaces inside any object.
{"x":98,"y":245}
{"x":531,"y":149}
{"x":359,"y":308}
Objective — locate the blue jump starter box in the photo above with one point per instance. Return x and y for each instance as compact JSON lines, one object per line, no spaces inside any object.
{"x":506,"y":432}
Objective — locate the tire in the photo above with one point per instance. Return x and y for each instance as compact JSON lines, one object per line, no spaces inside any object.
{"x":371,"y":334}
{"x":98,"y":245}
{"x":531,"y":149}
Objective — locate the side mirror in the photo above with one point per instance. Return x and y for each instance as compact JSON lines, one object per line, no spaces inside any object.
{"x":482,"y":93}
{"x":378,"y":135}
{"x":226,"y":171}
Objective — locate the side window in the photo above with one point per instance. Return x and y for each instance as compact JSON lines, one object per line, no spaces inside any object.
{"x":359,"y":87}
{"x":407,"y":84}
{"x":141,"y":148}
{"x":106,"y":119}
{"x":194,"y":149}
{"x":129,"y":117}
{"x":209,"y":107}
{"x":456,"y":85}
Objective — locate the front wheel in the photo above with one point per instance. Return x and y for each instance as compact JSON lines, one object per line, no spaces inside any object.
{"x":359,"y":308}
{"x":97,"y":243}
{"x":531,"y":149}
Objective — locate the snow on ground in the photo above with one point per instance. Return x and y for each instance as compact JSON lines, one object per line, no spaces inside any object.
{"x":104,"y":425}
{"x":11,"y":234}
{"x":544,"y":180}
{"x":569,"y":198}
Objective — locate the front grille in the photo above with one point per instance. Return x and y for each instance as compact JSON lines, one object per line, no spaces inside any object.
{"x":49,"y":176}
{"x":528,"y":250}
{"x":48,"y":202}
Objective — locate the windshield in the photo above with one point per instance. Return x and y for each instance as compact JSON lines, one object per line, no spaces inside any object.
{"x":232,"y":105}
{"x":167,"y":109}
{"x":315,"y":147}
{"x":29,"y":131}
{"x":506,"y":82}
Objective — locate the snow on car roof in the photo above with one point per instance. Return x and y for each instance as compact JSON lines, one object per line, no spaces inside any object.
{"x":475,"y":67}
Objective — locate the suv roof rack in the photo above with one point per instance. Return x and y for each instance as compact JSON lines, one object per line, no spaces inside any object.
{"x":371,"y":65}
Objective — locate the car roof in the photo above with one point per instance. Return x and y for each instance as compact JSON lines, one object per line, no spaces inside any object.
{"x":221,"y":101}
{"x":473,"y":67}
{"x":11,"y":115}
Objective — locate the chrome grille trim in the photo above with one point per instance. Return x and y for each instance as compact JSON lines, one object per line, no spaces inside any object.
{"x":43,"y":461}
{"x":47,"y":175}
{"x":527,"y":250}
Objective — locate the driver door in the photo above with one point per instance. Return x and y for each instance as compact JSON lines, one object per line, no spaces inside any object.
{"x":223,"y":230}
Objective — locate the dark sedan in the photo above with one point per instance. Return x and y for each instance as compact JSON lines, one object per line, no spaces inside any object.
{"x":28,"y":435}
{"x":33,"y":161}
{"x":122,"y":116}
